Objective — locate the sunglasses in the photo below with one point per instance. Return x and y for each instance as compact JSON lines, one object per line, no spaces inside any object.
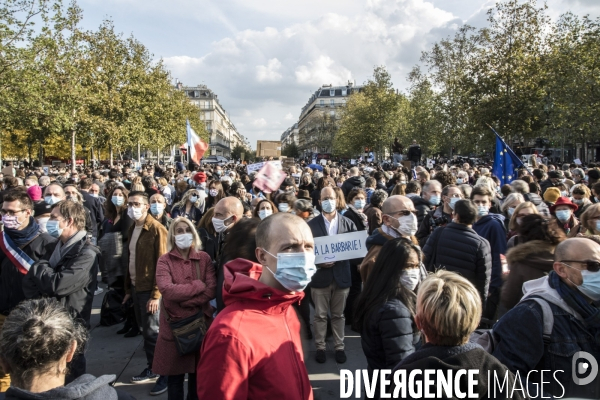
{"x":592,"y":265}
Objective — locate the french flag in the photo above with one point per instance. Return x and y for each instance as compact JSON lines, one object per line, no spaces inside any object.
{"x":196,"y":145}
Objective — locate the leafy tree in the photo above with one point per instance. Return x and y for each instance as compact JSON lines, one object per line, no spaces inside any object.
{"x":291,"y":150}
{"x":236,"y":152}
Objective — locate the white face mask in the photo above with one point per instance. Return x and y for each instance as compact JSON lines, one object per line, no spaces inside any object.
{"x":408,"y":225}
{"x":410,"y":278}
{"x":184,"y":241}
{"x":42,"y":223}
{"x":219,"y":224}
{"x":135,"y":213}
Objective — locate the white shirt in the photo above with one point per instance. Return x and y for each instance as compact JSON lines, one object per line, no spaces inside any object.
{"x":332,"y":227}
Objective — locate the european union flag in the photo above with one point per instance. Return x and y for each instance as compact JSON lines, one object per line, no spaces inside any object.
{"x":506,"y":162}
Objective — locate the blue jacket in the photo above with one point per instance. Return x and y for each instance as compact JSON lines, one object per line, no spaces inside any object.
{"x":491,"y":227}
{"x":520,"y":344}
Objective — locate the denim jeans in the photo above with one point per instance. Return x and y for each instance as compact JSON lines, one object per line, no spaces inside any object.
{"x":147,"y":322}
{"x":175,"y":387}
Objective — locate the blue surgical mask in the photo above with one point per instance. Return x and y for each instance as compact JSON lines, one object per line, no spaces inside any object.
{"x":563,"y":215}
{"x":482,"y":211}
{"x":597,"y":226}
{"x":459,"y":181}
{"x":193,"y":199}
{"x":118,"y":200}
{"x":264,"y":213}
{"x":590,"y":285}
{"x":53,"y":229}
{"x":294,"y":270}
{"x":328,"y":206}
{"x":359,"y":204}
{"x":434,"y":200}
{"x":50,"y":200}
{"x":157,"y":208}
{"x":511,"y":211}
{"x":283,"y":207}
{"x":453,"y":201}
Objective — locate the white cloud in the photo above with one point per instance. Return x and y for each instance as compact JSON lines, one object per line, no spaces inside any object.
{"x":260,"y":123}
{"x":269,"y":72}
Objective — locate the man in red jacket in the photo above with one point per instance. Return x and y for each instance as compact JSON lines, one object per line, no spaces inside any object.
{"x":253,"y":348}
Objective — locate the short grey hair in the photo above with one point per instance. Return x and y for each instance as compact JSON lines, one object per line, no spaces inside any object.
{"x":378,"y":197}
{"x":579,"y":172}
{"x":427,"y":186}
{"x":520,"y":186}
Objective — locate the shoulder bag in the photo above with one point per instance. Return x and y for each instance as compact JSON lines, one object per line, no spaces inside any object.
{"x":188,"y":332}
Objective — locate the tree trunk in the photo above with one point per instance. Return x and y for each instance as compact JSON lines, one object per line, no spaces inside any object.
{"x":138,"y":158}
{"x":73,"y":156}
{"x":110,"y":148}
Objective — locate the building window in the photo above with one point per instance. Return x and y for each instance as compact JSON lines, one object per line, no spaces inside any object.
{"x":344,"y":92}
{"x":332,"y":102}
{"x":322,"y":102}
{"x":332,"y":92}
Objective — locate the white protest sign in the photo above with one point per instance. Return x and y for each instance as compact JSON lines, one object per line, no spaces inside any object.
{"x":256,"y":167}
{"x":323,"y":161}
{"x":577,"y":161}
{"x":352,"y":162}
{"x":345,"y":246}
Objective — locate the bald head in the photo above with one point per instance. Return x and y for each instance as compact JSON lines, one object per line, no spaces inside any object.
{"x":229,"y":206}
{"x":282,"y":221}
{"x":578,"y":248}
{"x":353,"y":171}
{"x":397,"y":203}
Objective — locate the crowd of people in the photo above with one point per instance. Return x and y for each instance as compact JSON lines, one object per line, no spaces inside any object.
{"x":449,"y":250}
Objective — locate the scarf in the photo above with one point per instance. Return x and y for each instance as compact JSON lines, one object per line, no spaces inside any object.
{"x":61,"y":249}
{"x":24,"y":236}
{"x":575,"y":300}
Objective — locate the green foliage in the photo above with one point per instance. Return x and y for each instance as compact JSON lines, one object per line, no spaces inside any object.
{"x":96,"y":88}
{"x":236,"y":152}
{"x":523,"y":74}
{"x":291,"y":150}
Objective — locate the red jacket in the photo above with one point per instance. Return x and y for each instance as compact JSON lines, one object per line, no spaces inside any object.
{"x":253,"y":348}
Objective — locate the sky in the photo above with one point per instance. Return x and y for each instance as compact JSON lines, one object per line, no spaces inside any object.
{"x":265,"y":58}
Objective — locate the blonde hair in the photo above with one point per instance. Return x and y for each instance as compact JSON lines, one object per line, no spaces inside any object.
{"x":511,"y":198}
{"x":512,"y":224}
{"x":196,"y":243}
{"x":448,"y":308}
{"x":485,"y":181}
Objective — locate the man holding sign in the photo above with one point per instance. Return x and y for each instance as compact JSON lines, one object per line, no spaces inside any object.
{"x":331,"y":283}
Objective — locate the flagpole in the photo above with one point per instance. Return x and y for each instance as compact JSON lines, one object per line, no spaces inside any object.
{"x":508,"y":148}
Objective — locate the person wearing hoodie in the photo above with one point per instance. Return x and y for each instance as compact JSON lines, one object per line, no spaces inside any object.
{"x":490,"y":227}
{"x":354,"y":180}
{"x":430,"y":197}
{"x":570,"y":290}
{"x":37,"y":357}
{"x":70,"y":273}
{"x":448,"y":311}
{"x":398,"y":220}
{"x":532,"y":258}
{"x":253,"y":348}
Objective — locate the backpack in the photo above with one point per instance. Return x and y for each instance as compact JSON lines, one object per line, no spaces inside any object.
{"x":112,"y":312}
{"x":486,"y":339}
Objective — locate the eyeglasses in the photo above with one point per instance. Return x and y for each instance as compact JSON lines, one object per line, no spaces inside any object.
{"x":10,"y":213}
{"x":404,"y":212}
{"x":592,"y":265}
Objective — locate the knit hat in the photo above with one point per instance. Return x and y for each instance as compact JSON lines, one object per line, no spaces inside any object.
{"x":200,"y":177}
{"x":552,"y":194}
{"x":563,"y":201}
{"x":35,"y":193}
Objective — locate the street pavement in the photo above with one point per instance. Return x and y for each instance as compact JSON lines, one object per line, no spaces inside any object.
{"x":109,"y":353}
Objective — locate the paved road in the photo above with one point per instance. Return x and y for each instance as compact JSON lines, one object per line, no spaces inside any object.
{"x":109,"y":353}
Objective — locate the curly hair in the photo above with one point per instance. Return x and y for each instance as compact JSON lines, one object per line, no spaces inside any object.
{"x":536,"y":227}
{"x":445,"y":178}
{"x":36,"y":336}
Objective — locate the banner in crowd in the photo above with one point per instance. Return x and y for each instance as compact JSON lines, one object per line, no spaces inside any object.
{"x":345,"y":246}
{"x":257,"y":166}
{"x":269,"y":178}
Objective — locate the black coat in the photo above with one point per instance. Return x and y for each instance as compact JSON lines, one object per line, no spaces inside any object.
{"x":72,"y":282}
{"x":422,"y":206}
{"x":340,"y":272}
{"x":387,"y":336}
{"x":433,"y":220}
{"x":456,"y":358}
{"x":11,"y":280}
{"x":351,"y":183}
{"x":94,"y":206}
{"x":414,"y":153}
{"x":460,"y":249}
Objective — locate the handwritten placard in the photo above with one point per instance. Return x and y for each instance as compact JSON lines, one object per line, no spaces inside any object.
{"x":345,"y":246}
{"x":257,"y":166}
